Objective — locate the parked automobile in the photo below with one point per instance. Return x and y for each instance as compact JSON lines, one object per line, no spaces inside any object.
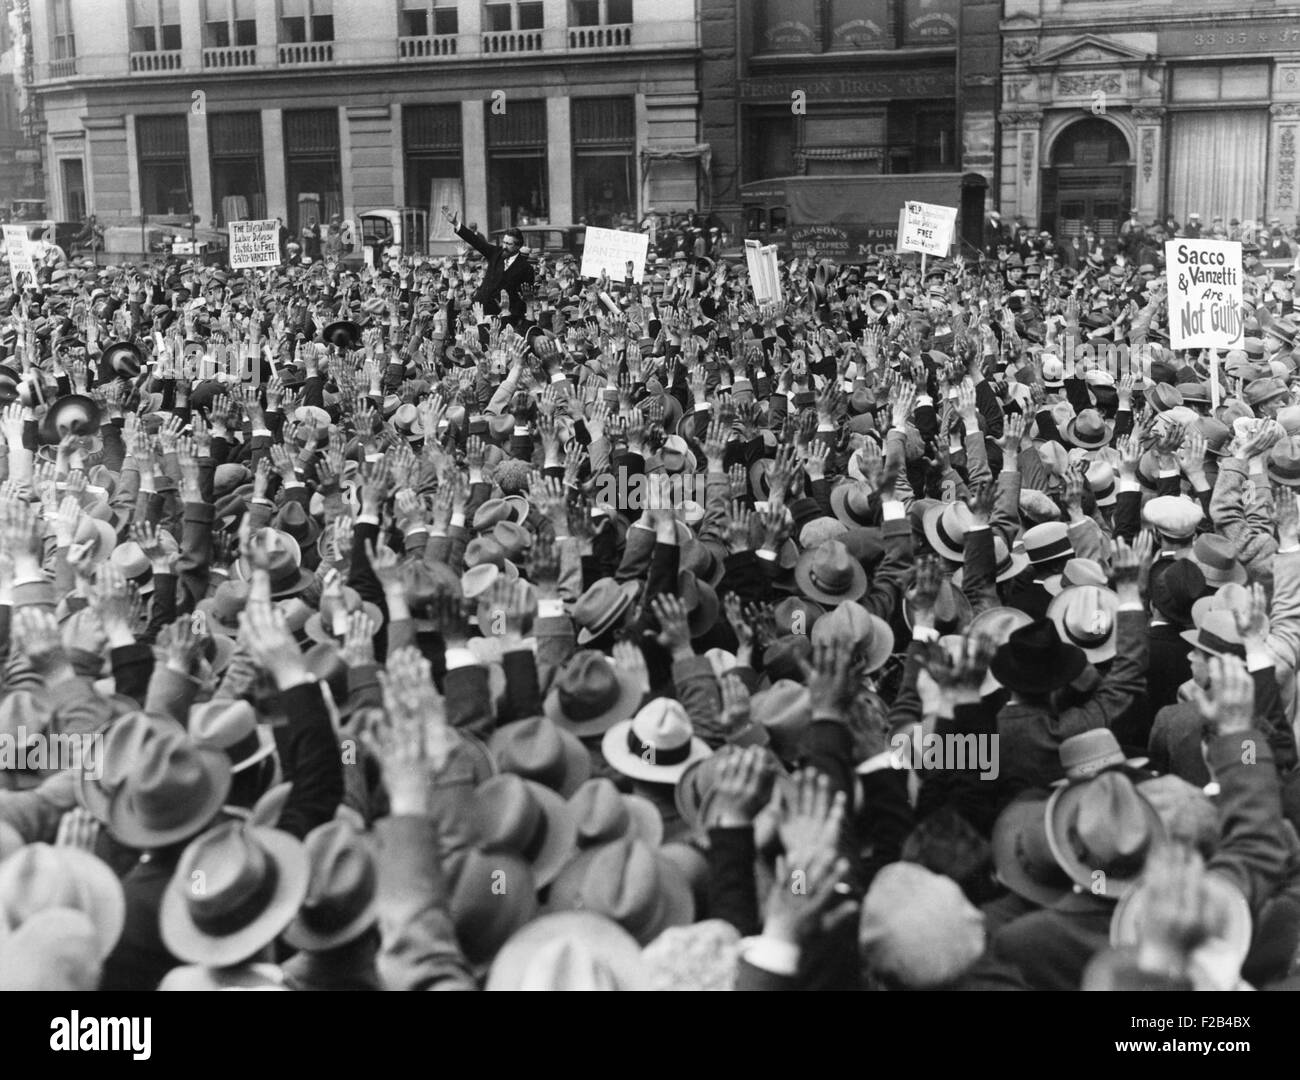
{"x":550,"y":239}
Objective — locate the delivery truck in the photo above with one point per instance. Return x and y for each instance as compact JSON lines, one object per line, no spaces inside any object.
{"x":849,"y":218}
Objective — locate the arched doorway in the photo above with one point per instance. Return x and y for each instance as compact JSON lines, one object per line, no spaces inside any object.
{"x":1089,"y":180}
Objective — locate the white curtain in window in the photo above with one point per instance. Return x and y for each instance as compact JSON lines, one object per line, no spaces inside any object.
{"x":1218,"y":164}
{"x":444,"y":192}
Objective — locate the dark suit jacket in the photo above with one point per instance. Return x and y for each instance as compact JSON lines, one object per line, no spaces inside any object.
{"x":512,"y":278}
{"x":1169,"y":668}
{"x":140,"y":959}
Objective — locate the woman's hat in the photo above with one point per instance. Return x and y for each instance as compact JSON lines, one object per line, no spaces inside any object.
{"x":253,"y":882}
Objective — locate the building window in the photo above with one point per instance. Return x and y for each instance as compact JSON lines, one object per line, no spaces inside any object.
{"x":62,"y":44}
{"x":512,"y":15}
{"x":306,"y":20}
{"x":428,"y":18}
{"x":163,"y":147}
{"x":312,"y":170}
{"x":604,"y":161}
{"x":516,"y":164}
{"x":74,"y":188}
{"x":861,"y":24}
{"x":931,"y":22}
{"x":1204,"y":83}
{"x":600,"y":12}
{"x":769,"y":143}
{"x":431,"y":146}
{"x":155,"y":25}
{"x":229,"y":22}
{"x":238,"y":178}
{"x":787,"y":26}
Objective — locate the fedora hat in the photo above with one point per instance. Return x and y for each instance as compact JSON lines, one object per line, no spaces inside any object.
{"x":286,"y":573}
{"x":1008,"y":562}
{"x":829,"y":574}
{"x":1217,"y":557}
{"x":343,"y":334}
{"x":853,"y":623}
{"x":591,"y":694}
{"x":1091,"y":751}
{"x":115,"y":754}
{"x":570,"y":950}
{"x":785,"y":711}
{"x":527,"y":819}
{"x":73,"y":414}
{"x":1088,"y":430}
{"x":222,"y":608}
{"x":945,"y":526}
{"x":176,"y":787}
{"x":492,"y":897}
{"x":602,"y":606}
{"x":231,"y":725}
{"x":1216,"y":634}
{"x":40,"y":877}
{"x":254,"y":881}
{"x":1101,"y":831}
{"x":293,"y":519}
{"x":123,"y":358}
{"x":1085,"y":617}
{"x":1022,"y":857}
{"x":514,"y":539}
{"x":796,"y":615}
{"x":1284,"y":462}
{"x":538,"y":749}
{"x":342,"y":896}
{"x":952,"y":611}
{"x":603,"y":814}
{"x":1163,"y":396}
{"x":55,"y":949}
{"x":656,"y":745}
{"x":329,"y":624}
{"x":852,"y":504}
{"x":1176,"y":592}
{"x":1034,"y":660}
{"x":629,"y":882}
{"x":701,"y":603}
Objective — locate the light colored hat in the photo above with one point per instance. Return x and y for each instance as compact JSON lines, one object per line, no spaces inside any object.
{"x":658,"y":744}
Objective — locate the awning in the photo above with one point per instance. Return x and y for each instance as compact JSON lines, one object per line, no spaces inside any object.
{"x":701,"y":152}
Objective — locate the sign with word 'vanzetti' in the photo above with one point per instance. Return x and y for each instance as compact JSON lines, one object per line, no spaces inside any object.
{"x":611,"y":250}
{"x":1204,"y":278}
{"x":254,"y":243}
{"x":19,"y":251}
{"x":927,"y":228}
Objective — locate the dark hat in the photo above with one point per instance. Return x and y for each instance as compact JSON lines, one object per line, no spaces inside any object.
{"x":1175,"y":591}
{"x":74,"y":414}
{"x":1036,"y":661}
{"x":345,"y":334}
{"x":124,"y":358}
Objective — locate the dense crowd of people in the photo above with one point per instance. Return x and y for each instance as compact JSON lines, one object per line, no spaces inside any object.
{"x":467,"y":624}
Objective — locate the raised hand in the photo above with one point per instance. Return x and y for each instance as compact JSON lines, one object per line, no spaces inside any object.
{"x":742,"y":785}
{"x":1229,"y":703}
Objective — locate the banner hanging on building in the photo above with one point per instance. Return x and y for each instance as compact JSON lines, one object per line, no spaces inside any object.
{"x":764,"y":273}
{"x":19,"y":251}
{"x":927,"y":228}
{"x":1204,"y":279}
{"x":611,"y":250}
{"x":254,"y":243}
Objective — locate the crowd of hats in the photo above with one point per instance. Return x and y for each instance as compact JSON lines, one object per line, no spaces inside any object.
{"x":580,"y":835}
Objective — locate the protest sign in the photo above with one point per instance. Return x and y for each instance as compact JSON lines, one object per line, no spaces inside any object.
{"x":764,"y":274}
{"x":611,"y":250}
{"x":19,"y":250}
{"x":1204,"y":278}
{"x":254,"y":243}
{"x":927,"y":228}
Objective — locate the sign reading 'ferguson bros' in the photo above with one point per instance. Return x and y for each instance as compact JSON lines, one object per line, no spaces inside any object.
{"x":886,"y":84}
{"x":1204,"y":294}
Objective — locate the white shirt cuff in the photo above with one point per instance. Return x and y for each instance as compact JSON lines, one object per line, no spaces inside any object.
{"x":459,"y":658}
{"x":771,"y":955}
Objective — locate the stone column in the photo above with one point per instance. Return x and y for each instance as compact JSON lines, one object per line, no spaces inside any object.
{"x":277,"y":193}
{"x":1148,"y":181}
{"x":200,"y":167}
{"x":559,"y":158}
{"x":1021,"y":142}
{"x":1283,"y":194}
{"x":473,"y":138}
